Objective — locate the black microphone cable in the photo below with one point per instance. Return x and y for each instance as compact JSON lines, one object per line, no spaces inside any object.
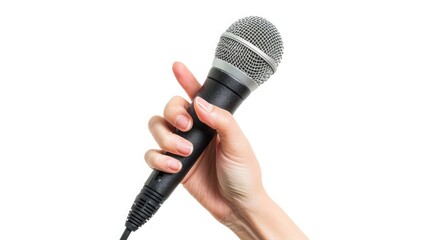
{"x":125,"y":234}
{"x":247,"y":54}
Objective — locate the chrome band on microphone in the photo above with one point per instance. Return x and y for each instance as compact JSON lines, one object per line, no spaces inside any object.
{"x":235,"y":72}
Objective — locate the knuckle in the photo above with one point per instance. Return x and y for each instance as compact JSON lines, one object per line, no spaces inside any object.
{"x":176,"y":105}
{"x":148,"y":157}
{"x":153,"y":121}
{"x":152,"y":158}
{"x":226,"y":118}
{"x":170,"y":105}
{"x":163,"y":143}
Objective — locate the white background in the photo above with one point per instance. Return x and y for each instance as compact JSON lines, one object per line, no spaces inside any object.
{"x":341,"y":130}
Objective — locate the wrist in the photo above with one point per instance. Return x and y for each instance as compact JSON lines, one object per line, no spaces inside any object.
{"x":262,"y":218}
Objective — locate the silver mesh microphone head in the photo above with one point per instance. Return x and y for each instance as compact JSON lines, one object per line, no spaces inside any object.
{"x":250,"y":49}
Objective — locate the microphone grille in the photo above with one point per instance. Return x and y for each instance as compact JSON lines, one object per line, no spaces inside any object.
{"x":260,"y":33}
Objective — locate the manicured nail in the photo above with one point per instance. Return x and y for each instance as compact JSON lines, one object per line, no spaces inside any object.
{"x":183,"y":122}
{"x":174,"y":165}
{"x":184,"y":148}
{"x":204,"y":104}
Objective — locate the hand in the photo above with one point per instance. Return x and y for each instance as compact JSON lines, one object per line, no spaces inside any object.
{"x":227,"y":175}
{"x":226,"y":179}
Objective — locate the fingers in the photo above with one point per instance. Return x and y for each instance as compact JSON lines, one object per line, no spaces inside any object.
{"x":161,"y":128}
{"x":186,"y":79}
{"x":167,"y":141}
{"x":157,"y":160}
{"x":175,"y":116}
{"x":175,"y":113}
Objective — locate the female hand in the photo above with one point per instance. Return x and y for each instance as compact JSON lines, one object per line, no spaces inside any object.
{"x":226,"y":179}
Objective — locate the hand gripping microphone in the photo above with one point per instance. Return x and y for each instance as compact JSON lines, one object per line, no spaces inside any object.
{"x":247,"y":54}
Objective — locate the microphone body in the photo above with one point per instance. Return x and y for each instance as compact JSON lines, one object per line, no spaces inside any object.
{"x":219,"y":89}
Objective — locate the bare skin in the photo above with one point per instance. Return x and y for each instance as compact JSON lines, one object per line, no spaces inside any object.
{"x":226,"y":179}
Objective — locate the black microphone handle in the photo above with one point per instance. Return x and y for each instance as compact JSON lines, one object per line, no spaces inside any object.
{"x":219,"y":89}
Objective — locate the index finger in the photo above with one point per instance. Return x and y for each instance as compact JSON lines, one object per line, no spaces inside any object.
{"x":186,"y":79}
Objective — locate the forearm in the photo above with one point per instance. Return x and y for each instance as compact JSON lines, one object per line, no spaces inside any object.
{"x":265,"y":220}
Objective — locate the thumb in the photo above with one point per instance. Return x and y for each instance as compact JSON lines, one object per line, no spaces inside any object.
{"x":222,"y":121}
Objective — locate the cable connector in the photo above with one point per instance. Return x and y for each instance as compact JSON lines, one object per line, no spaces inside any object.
{"x":144,"y":207}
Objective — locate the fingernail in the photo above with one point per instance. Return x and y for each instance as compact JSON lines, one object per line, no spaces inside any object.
{"x":204,"y":104}
{"x":183,"y":122}
{"x":174,"y":165}
{"x":184,"y":148}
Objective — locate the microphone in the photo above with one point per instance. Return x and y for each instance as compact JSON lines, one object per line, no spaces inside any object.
{"x":247,"y":54}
